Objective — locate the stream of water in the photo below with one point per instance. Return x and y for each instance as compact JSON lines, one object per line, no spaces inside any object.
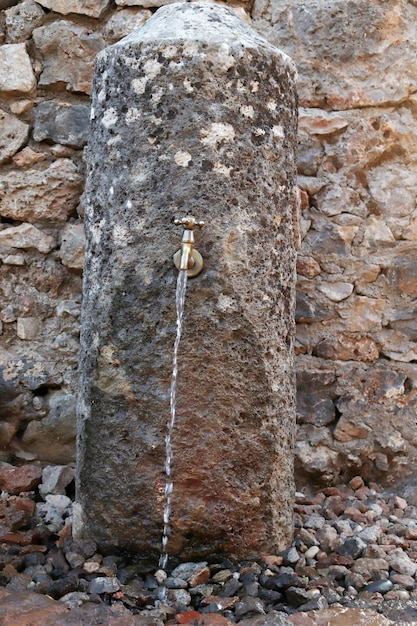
{"x":169,"y":485}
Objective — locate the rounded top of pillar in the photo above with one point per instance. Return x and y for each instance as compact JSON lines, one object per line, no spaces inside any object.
{"x":200,"y":22}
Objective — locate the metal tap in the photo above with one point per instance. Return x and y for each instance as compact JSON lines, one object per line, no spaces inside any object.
{"x":188,"y":258}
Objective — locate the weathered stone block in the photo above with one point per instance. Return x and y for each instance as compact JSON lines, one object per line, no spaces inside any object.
{"x":125,"y":21}
{"x":72,"y":246}
{"x":16,"y":73}
{"x":13,"y":135}
{"x":314,"y":403}
{"x":93,"y":8}
{"x":62,"y":123}
{"x":194,"y":112}
{"x":52,"y":439}
{"x":28,"y":327}
{"x":345,"y":348}
{"x":68,"y":52}
{"x":22,"y":19}
{"x":38,"y":195}
{"x":349,"y":53}
{"x":27,"y":237}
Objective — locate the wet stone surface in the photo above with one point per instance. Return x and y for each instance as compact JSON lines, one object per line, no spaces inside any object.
{"x":357,"y":566}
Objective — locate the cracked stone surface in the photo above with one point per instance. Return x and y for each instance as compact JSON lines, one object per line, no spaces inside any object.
{"x":212,"y":107}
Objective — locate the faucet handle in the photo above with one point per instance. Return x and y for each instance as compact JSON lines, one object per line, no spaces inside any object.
{"x":189,"y":222}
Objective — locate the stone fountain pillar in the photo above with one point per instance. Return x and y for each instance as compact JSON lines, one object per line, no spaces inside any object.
{"x":192,"y":113}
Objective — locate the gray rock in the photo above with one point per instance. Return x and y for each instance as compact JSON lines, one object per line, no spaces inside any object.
{"x":314,"y":404}
{"x":371,"y":534}
{"x":62,"y":123}
{"x":315,"y":604}
{"x":180,"y":597}
{"x":175,"y":583}
{"x":55,"y":478}
{"x":353,"y":546}
{"x":102,"y":584}
{"x":290,"y":556}
{"x":297,"y":596}
{"x":272,"y":618}
{"x":315,"y":522}
{"x":22,"y":19}
{"x":13,"y":135}
{"x":379,"y":586}
{"x":187,"y":570}
{"x":249,"y":605}
{"x":207,"y":100}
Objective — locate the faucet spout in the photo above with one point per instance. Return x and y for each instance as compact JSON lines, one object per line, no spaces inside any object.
{"x":188,"y":258}
{"x":187,"y":261}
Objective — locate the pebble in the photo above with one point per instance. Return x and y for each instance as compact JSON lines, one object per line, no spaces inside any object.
{"x":103,"y":585}
{"x":334,"y":561}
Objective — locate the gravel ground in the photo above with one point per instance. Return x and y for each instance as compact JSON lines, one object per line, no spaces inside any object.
{"x":354,"y":549}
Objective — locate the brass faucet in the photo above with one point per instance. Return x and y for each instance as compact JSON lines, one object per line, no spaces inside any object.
{"x":188,"y":258}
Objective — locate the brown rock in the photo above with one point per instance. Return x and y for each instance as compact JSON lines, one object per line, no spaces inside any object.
{"x":402,"y":275}
{"x":27,"y":156}
{"x":26,"y":237}
{"x":52,"y":439}
{"x":307,"y":266}
{"x":29,"y":609}
{"x":345,"y":348}
{"x":68,"y":52}
{"x":41,"y":194}
{"x":348,"y":431}
{"x":356,"y":483}
{"x":18,"y":479}
{"x":404,"y":581}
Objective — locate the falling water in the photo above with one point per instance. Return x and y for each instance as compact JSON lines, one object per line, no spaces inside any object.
{"x":179,"y":300}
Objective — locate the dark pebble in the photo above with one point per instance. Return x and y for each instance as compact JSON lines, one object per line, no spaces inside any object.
{"x":379,"y":586}
{"x":296,"y":596}
{"x":230,"y":588}
{"x":249,"y":605}
{"x":353,"y":547}
{"x":34,"y":558}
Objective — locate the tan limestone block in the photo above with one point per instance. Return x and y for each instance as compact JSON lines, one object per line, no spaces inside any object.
{"x":93,"y":8}
{"x":27,"y":237}
{"x":13,"y":134}
{"x":16,"y":73}
{"x":40,"y":194}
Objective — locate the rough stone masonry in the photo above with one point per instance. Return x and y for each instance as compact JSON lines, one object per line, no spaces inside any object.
{"x":194,"y":112}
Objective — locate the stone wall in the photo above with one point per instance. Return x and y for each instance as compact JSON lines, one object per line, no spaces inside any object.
{"x":356,"y":349}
